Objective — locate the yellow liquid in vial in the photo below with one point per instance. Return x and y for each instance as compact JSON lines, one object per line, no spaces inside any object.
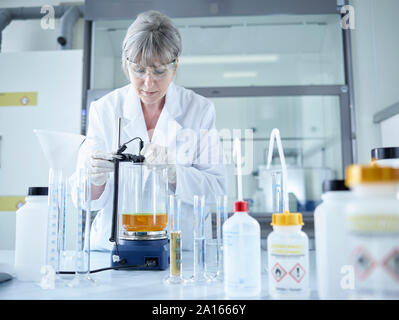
{"x":144,"y":222}
{"x":175,"y":253}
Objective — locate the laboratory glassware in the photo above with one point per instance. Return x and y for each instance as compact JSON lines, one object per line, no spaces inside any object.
{"x":221,"y":217}
{"x":277,"y":191}
{"x":82,"y":226}
{"x":199,"y":274}
{"x":330,"y":239}
{"x":139,"y":228}
{"x":142,"y":239}
{"x":58,"y":148}
{"x":176,"y":271}
{"x":372,"y":226}
{"x":281,"y":182}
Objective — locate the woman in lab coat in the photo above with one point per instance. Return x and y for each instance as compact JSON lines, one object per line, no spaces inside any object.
{"x":176,"y":125}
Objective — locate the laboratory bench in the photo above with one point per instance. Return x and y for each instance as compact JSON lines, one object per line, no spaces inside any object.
{"x":131,"y":284}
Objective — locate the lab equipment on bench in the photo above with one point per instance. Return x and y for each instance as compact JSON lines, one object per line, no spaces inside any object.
{"x":175,"y":272}
{"x":241,"y":245}
{"x":287,"y":245}
{"x":58,"y":148}
{"x":139,"y":228}
{"x":277,"y":191}
{"x":82,"y":228}
{"x":221,"y":218}
{"x":372,"y":225}
{"x":199,"y":274}
{"x":30,"y":238}
{"x":331,"y":240}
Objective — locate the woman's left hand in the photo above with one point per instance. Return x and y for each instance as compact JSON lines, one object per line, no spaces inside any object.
{"x":156,"y":155}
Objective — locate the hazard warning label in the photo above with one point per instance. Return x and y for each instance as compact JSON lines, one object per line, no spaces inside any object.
{"x":363,"y":262}
{"x":278,"y":272}
{"x":391,"y":263}
{"x":297,"y":273}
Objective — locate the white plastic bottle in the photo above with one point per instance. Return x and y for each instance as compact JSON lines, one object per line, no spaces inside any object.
{"x":241,"y":246}
{"x":372,"y":223}
{"x":330,"y":239}
{"x":288,"y":257}
{"x":31,"y":232}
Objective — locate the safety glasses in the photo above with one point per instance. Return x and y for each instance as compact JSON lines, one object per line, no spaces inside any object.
{"x":157,"y":73}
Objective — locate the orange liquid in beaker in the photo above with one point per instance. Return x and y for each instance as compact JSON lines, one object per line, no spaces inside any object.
{"x":144,"y":222}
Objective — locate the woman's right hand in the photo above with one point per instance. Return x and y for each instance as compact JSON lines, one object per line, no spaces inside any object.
{"x":100,"y":164}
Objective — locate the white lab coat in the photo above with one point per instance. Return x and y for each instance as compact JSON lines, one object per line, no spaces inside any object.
{"x":183,"y":109}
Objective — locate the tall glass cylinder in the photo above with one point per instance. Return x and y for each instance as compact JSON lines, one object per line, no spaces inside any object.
{"x":221,"y":217}
{"x":82,"y":229}
{"x":175,"y":271}
{"x":199,"y":275}
{"x":55,"y":229}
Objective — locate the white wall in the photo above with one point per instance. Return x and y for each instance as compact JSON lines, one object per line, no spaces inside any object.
{"x":27,"y":35}
{"x":21,"y":69}
{"x":375,"y":44}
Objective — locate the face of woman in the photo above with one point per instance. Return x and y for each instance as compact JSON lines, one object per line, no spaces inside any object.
{"x":150,"y":84}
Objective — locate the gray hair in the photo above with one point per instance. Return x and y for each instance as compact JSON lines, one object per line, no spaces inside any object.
{"x":152,"y":35}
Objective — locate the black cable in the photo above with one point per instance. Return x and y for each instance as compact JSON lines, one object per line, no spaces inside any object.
{"x":123,"y":146}
{"x":108,"y":268}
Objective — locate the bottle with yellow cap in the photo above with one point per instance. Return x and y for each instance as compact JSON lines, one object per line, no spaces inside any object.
{"x":372,"y":225}
{"x":288,"y":257}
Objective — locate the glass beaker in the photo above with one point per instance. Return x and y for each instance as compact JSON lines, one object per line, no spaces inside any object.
{"x":144,"y":202}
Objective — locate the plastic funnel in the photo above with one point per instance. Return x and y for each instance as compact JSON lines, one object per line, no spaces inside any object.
{"x":59,"y":147}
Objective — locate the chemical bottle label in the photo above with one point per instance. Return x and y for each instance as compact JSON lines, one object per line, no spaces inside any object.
{"x":373,"y":252}
{"x":288,"y":268}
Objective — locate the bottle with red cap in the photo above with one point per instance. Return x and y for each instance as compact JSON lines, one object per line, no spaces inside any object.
{"x":241,"y":246}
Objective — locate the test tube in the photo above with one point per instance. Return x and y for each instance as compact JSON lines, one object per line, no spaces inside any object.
{"x":199,"y":275}
{"x":277,"y":191}
{"x":221,"y":217}
{"x":175,"y":271}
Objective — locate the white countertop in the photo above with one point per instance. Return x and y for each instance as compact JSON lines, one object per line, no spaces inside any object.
{"x":132,"y":284}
